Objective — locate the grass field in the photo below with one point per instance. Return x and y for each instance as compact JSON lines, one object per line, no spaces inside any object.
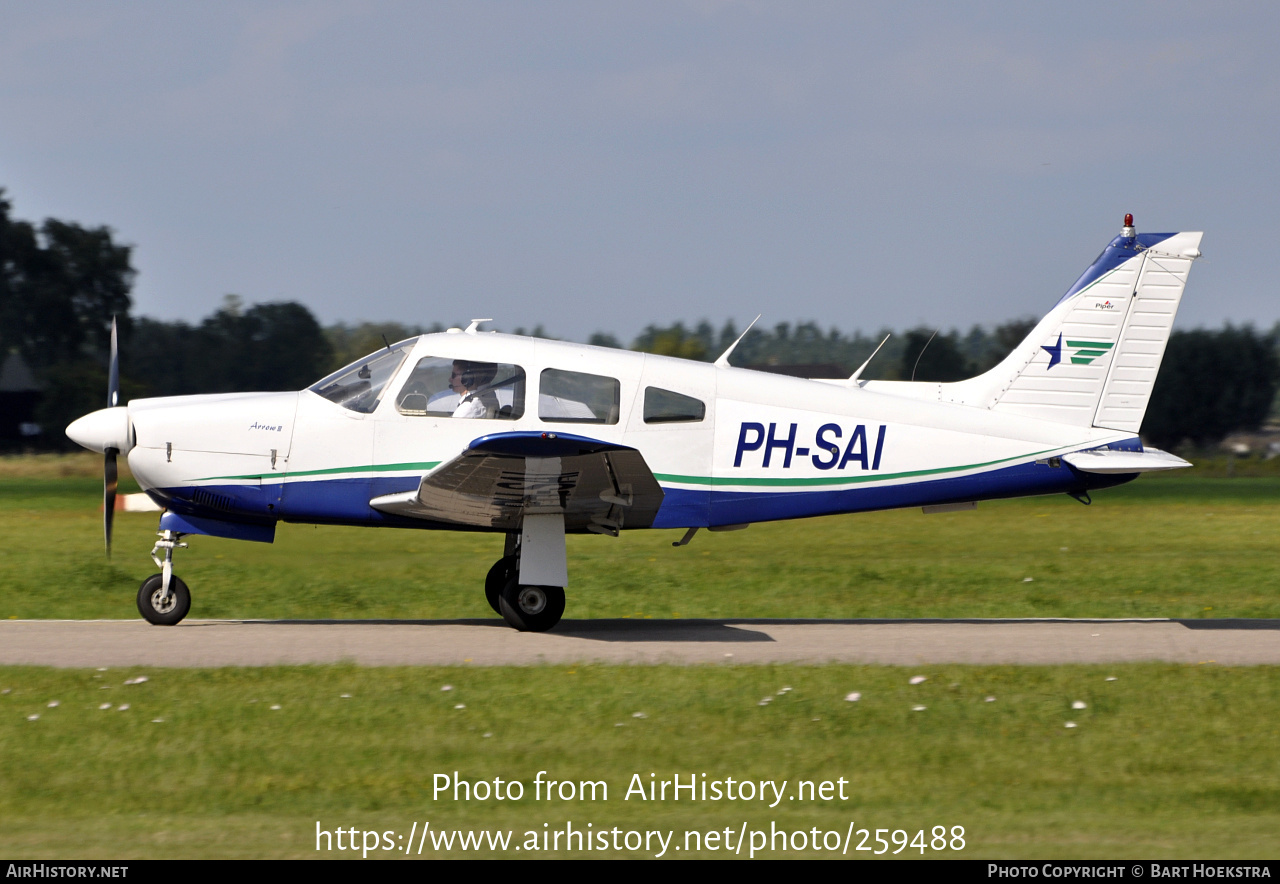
{"x":1164,"y":761}
{"x":1164,"y":546}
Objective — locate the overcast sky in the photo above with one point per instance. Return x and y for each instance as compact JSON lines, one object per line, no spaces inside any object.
{"x":601,"y":166}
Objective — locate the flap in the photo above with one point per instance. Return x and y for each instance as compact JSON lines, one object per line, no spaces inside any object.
{"x":599,"y":486}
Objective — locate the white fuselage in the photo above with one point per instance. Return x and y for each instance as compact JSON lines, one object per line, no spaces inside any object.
{"x":767,"y":446}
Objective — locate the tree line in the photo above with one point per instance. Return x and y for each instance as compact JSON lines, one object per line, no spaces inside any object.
{"x":61,"y":284}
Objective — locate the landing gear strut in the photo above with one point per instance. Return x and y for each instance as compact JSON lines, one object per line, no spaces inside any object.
{"x":530,"y":606}
{"x":163,"y":599}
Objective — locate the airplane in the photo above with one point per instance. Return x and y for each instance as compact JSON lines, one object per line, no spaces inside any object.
{"x":533,"y":439}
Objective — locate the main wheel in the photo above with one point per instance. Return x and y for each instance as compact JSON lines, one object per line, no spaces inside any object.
{"x":169,"y":611}
{"x":502,"y":571}
{"x":531,"y":608}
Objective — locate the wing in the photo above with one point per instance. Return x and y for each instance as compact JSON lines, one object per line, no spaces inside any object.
{"x":599,"y":486}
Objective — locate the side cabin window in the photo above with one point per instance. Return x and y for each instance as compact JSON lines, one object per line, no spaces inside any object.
{"x":358,"y":387}
{"x":668,"y":407}
{"x":577,"y":398}
{"x":444,"y":387}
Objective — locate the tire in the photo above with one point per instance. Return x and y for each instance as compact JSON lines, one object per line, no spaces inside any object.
{"x":502,"y":571}
{"x":149,"y":597}
{"x":531,"y":608}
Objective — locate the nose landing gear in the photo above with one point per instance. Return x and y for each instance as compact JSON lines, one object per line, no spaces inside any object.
{"x":164,"y":599}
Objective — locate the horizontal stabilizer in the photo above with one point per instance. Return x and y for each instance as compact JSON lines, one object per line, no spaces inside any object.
{"x":1106,"y":461}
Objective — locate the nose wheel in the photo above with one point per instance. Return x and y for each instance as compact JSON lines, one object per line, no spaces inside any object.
{"x":160,"y":608}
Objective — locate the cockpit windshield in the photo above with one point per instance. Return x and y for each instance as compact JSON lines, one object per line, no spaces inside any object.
{"x":359,"y":386}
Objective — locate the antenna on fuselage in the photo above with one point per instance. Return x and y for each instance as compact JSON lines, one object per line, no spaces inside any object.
{"x":921,"y":353}
{"x":474,"y":327}
{"x":723,"y":361}
{"x":853,"y":378}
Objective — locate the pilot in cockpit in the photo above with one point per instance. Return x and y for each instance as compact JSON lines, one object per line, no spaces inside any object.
{"x":470,"y":381}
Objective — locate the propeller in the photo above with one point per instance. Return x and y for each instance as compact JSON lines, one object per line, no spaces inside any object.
{"x":110,"y":472}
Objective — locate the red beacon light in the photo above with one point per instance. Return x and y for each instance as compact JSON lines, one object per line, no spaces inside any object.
{"x":1128,"y":226}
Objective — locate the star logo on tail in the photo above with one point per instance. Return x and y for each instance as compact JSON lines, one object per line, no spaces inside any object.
{"x":1054,"y":351}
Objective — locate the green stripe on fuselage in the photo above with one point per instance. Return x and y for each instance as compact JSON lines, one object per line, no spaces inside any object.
{"x":370,"y":468}
{"x":841,"y":480}
{"x":671,"y":477}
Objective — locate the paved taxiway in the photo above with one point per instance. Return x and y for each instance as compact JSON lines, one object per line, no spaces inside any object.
{"x":75,"y":643}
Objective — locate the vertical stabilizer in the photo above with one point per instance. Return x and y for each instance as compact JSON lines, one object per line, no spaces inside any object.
{"x":1092,"y":361}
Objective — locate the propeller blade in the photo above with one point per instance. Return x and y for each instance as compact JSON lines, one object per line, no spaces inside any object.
{"x":109,"y":476}
{"x":113,"y":370}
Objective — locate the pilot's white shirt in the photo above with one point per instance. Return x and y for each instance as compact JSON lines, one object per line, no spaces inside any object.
{"x":548,"y":406}
{"x":471,"y":408}
{"x":447,"y":400}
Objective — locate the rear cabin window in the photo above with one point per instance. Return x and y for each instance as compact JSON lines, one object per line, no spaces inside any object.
{"x":577,"y":398}
{"x":463,"y":388}
{"x":668,"y":407}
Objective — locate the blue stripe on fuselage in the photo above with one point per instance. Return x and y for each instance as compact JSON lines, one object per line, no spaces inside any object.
{"x":346,"y":501}
{"x":738,"y":507}
{"x":323,"y":502}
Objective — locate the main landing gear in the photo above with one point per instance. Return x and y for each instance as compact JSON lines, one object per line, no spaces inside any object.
{"x":163,"y":599}
{"x":528,"y":607}
{"x":531,"y":608}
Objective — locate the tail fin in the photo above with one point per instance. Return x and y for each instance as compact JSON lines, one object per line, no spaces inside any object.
{"x":1092,"y":361}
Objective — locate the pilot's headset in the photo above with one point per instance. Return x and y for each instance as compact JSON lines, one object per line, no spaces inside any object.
{"x":476,"y":374}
